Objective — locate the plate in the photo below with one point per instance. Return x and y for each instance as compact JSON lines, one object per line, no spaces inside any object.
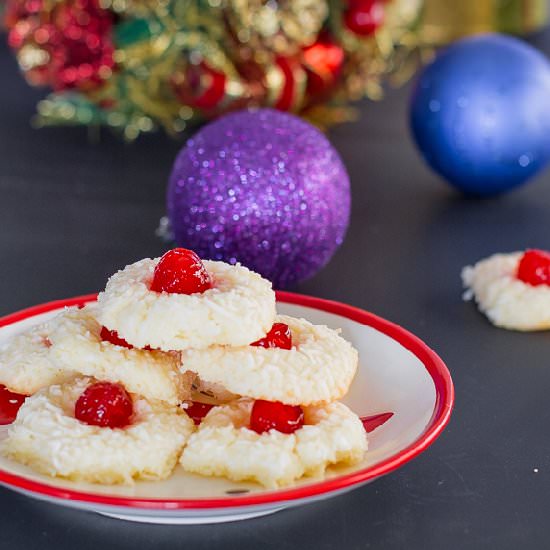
{"x":397,"y":374}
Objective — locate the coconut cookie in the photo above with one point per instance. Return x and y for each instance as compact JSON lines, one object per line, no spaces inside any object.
{"x":79,"y":343}
{"x":513,"y":290}
{"x":233,"y":441}
{"x":145,"y":442}
{"x":178,"y":302}
{"x":27,"y":363}
{"x":305,"y":364}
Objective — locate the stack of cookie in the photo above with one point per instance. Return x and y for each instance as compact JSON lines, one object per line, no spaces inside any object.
{"x":184,"y":360}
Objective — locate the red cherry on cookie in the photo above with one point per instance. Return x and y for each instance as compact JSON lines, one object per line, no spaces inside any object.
{"x":272,"y":415}
{"x":363,"y":17}
{"x":180,"y":271}
{"x":104,"y":404}
{"x":10,"y":404}
{"x":112,"y":337}
{"x":197,"y":411}
{"x":534,"y":268}
{"x":278,"y":337}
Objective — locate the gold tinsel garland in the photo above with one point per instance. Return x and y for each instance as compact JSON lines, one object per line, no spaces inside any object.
{"x":140,"y":64}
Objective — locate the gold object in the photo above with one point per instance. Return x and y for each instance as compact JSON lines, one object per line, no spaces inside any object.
{"x":446,"y":20}
{"x":282,"y":27}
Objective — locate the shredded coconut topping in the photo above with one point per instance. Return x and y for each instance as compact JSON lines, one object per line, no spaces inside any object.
{"x":77,"y":345}
{"x":224,"y":446}
{"x":239,"y":309}
{"x":318,"y":369}
{"x":47,"y":437}
{"x":507,"y":301}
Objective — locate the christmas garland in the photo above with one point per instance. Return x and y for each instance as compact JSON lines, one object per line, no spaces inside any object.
{"x":135,"y":65}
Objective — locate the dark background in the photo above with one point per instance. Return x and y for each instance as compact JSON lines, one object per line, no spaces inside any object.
{"x":72,"y":212}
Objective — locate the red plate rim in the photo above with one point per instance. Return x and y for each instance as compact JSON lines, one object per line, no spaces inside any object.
{"x":440,"y":417}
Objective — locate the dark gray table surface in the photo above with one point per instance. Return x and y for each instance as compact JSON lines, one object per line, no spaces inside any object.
{"x":71,"y":212}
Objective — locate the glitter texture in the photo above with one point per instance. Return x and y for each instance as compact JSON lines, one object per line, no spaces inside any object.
{"x":263,"y":188}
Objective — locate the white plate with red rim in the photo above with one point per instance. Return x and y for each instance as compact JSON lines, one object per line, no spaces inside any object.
{"x":397,"y":374}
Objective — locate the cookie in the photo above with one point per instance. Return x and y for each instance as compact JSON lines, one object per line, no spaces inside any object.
{"x":238,"y":309}
{"x":506,"y":300}
{"x":77,"y":345}
{"x":318,"y":369}
{"x":224,"y":445}
{"x":70,"y":344}
{"x":47,"y":437}
{"x":26,"y":361}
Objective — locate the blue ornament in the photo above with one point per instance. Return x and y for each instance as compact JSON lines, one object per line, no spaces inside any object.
{"x":480,"y":113}
{"x":263,"y":188}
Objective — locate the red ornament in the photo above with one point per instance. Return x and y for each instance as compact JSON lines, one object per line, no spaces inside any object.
{"x":323,"y":62}
{"x":21,"y":18}
{"x":534,"y":268}
{"x":278,"y":337}
{"x":200,"y":86}
{"x":197,"y":411}
{"x":291,"y":75}
{"x":104,"y":404}
{"x":112,"y":336}
{"x":10,"y":403}
{"x":180,"y":271}
{"x":363,"y":17}
{"x":72,"y":47}
{"x":272,"y":415}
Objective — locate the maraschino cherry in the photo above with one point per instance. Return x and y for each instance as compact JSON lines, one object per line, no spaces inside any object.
{"x":364,"y":17}
{"x":268,"y":415}
{"x":180,"y":271}
{"x":112,"y":337}
{"x":104,"y":404}
{"x":278,"y":337}
{"x":272,"y":415}
{"x":197,"y":411}
{"x":10,"y":404}
{"x":534,"y":268}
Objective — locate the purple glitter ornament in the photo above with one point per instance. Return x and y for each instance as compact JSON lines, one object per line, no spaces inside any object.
{"x":263,"y":188}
